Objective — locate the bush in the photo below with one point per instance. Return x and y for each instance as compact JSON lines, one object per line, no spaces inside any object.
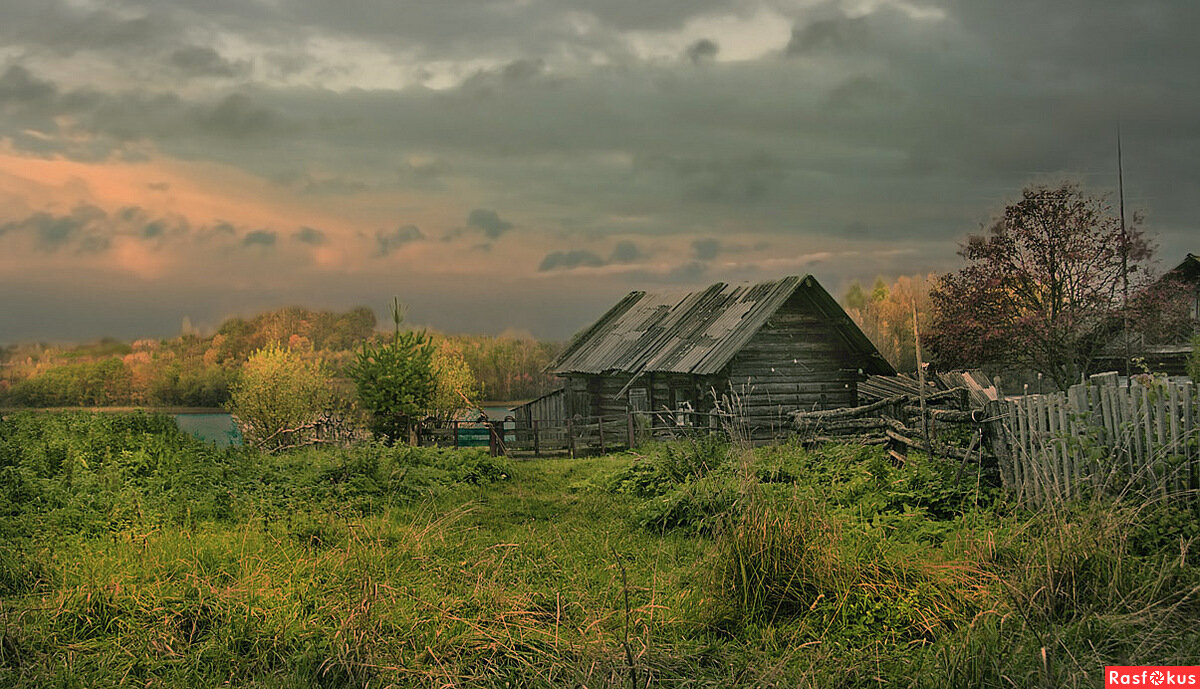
{"x":279,"y":399}
{"x":95,"y":383}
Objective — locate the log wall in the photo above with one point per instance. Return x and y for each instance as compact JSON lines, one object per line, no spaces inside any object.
{"x":797,"y":361}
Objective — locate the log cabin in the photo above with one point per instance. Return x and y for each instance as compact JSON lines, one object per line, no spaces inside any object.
{"x":1162,"y":352}
{"x":759,"y":350}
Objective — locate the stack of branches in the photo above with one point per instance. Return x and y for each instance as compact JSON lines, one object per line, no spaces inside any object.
{"x":895,"y":421}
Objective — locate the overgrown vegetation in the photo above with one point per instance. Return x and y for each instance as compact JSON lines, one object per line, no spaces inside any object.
{"x":132,"y":554}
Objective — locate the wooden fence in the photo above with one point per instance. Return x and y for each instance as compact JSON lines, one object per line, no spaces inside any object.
{"x":1100,"y":435}
{"x":594,"y":435}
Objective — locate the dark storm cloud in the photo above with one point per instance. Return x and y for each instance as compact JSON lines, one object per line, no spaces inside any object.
{"x":387,"y":241}
{"x":90,"y":229}
{"x":310,"y":235}
{"x":265,"y":238}
{"x":701,"y":50}
{"x":738,"y":178}
{"x":81,"y":229}
{"x":575,"y":258}
{"x":237,"y":116}
{"x":625,"y":252}
{"x":153,"y":229}
{"x":489,"y":222}
{"x":66,"y":29}
{"x":833,"y":35}
{"x":205,"y":62}
{"x":706,"y":249}
{"x":19,"y":86}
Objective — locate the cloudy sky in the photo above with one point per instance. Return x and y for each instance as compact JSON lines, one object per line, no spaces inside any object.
{"x":523,"y":163}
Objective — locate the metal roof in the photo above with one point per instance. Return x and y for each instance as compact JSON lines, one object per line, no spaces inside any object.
{"x":699,"y":332}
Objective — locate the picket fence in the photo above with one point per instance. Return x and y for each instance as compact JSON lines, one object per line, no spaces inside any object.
{"x":1102,"y":435}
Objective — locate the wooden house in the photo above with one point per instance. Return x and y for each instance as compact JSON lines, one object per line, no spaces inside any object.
{"x":1163,"y":354}
{"x":762,"y":349}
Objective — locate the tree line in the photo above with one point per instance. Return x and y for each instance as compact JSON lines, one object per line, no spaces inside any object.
{"x":191,"y":370}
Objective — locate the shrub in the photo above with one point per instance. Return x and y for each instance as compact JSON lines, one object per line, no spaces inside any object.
{"x":95,"y":383}
{"x":279,"y":399}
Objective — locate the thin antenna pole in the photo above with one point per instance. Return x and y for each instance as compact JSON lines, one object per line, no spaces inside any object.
{"x":1124,"y":257}
{"x":921,"y":378}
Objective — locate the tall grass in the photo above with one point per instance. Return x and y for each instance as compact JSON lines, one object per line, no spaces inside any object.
{"x":133,"y":556}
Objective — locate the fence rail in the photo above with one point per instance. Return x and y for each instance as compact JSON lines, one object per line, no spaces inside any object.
{"x":1099,"y":435}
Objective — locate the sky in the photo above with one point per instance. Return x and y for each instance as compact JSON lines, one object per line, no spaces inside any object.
{"x":518,"y":165}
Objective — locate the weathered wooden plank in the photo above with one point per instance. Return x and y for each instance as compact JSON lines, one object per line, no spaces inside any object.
{"x":1001,"y":428}
{"x":1020,"y":413}
{"x":1032,"y":475}
{"x":1148,"y":425}
{"x":1173,"y":411}
{"x":1076,"y":423}
{"x":1190,"y":428}
{"x":1068,"y":472}
{"x":1108,"y":415}
{"x":1047,"y":450}
{"x":1160,"y":416}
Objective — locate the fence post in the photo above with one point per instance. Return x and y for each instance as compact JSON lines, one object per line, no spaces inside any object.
{"x":995,"y":415}
{"x":629,"y":420}
{"x":537,"y":446}
{"x":454,"y":430}
{"x":600,"y":431}
{"x":571,"y":437}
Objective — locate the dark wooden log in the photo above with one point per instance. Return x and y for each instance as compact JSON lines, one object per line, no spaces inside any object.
{"x":836,"y":425}
{"x":943,"y":415}
{"x":861,"y":439}
{"x":849,"y":412}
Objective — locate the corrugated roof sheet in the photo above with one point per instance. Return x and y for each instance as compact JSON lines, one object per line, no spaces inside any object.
{"x":697,"y":332}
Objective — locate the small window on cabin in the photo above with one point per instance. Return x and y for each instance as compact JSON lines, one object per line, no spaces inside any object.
{"x":681,"y":399}
{"x":639,"y":399}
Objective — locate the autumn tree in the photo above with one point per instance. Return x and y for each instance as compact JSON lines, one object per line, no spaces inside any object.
{"x":279,"y":398}
{"x":884,"y":314}
{"x":1040,"y":286}
{"x":455,"y":386}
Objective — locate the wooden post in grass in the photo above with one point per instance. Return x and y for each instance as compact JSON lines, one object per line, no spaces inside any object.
{"x":630,"y":429}
{"x":571,"y":437}
{"x":537,"y":445}
{"x":600,"y":431}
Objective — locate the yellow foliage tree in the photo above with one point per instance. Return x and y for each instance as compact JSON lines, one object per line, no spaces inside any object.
{"x":455,"y":384}
{"x":279,"y":398}
{"x":885,"y":315}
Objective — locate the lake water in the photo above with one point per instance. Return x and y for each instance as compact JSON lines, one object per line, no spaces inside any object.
{"x":215,"y":428}
{"x":219,"y":428}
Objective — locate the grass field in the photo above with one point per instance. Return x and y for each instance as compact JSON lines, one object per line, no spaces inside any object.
{"x":133,"y":555}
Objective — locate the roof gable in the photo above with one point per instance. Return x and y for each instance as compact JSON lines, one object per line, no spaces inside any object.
{"x":697,"y":332}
